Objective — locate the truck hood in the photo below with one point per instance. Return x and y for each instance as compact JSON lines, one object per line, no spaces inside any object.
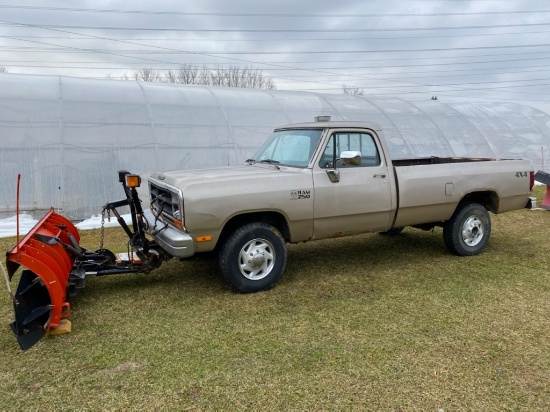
{"x":184,"y":178}
{"x":213,"y":196}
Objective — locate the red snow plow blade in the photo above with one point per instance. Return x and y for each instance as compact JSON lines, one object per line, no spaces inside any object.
{"x":47,"y":252}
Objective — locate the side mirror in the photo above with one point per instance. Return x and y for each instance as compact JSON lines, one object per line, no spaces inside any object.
{"x":347,"y":157}
{"x":333,"y":175}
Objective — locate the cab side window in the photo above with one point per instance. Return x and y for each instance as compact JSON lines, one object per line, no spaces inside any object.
{"x":361,"y":142}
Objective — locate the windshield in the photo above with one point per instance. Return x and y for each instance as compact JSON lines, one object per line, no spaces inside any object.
{"x":289,"y":148}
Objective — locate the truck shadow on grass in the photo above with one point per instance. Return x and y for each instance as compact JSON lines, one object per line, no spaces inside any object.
{"x":358,"y":255}
{"x":363,"y":254}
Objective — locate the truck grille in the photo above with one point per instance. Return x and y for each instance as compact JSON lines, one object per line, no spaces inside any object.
{"x":167,"y":203}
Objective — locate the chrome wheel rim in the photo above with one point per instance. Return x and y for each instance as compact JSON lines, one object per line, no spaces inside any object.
{"x":472,"y":231}
{"x":256,"y":259}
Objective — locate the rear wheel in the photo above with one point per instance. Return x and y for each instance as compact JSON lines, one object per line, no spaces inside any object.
{"x":468,"y":230}
{"x":253,"y":258}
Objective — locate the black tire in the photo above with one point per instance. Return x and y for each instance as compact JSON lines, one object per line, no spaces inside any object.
{"x":252,"y":258}
{"x":468,"y":230}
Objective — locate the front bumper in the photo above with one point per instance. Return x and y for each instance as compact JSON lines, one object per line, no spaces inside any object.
{"x":174,"y":242}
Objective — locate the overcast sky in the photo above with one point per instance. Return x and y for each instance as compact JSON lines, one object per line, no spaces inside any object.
{"x":494,"y":50}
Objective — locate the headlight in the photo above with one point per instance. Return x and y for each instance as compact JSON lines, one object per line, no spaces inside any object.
{"x":176,"y":212}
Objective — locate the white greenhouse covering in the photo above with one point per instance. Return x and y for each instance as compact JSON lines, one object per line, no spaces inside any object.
{"x":68,"y":136}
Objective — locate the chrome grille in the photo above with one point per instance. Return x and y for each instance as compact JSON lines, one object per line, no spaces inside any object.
{"x":166,"y":202}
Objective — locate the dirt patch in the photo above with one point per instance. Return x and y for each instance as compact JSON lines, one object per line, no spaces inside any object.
{"x":123,"y":367}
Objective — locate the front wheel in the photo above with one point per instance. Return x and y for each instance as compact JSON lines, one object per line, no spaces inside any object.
{"x":253,"y":258}
{"x":468,"y":230}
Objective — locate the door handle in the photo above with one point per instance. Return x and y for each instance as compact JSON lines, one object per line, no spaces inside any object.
{"x":381,"y":175}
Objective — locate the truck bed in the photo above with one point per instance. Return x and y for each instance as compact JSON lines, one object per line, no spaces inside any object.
{"x":430,"y":188}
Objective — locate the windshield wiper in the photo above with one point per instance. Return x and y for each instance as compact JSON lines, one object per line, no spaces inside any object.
{"x":271,"y":162}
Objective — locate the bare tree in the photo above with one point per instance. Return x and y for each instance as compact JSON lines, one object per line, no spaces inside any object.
{"x":186,"y":74}
{"x":170,"y":77}
{"x":229,"y":76}
{"x":245,"y":77}
{"x":124,"y":76}
{"x":353,"y":90}
{"x":214,"y":77}
{"x":147,"y":75}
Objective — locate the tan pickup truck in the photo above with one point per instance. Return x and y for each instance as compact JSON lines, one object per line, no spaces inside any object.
{"x":322,"y":180}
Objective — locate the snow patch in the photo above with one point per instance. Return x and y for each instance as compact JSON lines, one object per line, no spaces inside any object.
{"x":95,"y":222}
{"x":8,"y":227}
{"x":27,"y":222}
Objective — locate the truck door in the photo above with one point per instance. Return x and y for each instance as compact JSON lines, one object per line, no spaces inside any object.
{"x":359,"y":199}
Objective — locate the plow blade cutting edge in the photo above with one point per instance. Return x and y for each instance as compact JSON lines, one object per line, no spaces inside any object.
{"x":40,"y":301}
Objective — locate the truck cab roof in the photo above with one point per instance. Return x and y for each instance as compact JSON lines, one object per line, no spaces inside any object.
{"x":332,"y":125}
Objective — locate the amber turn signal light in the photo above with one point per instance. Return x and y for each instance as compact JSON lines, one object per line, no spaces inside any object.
{"x":133,"y":180}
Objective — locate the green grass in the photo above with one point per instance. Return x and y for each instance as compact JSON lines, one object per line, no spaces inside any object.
{"x":368,"y":322}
